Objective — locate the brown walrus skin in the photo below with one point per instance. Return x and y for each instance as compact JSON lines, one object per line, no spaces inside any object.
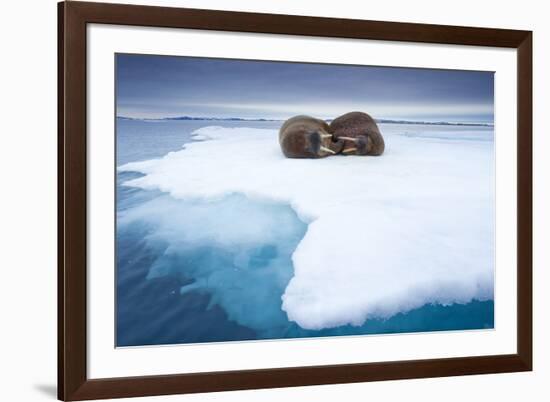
{"x":307,"y":137}
{"x":360,"y":134}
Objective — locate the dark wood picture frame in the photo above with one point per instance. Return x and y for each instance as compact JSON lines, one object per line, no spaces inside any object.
{"x":73,"y":382}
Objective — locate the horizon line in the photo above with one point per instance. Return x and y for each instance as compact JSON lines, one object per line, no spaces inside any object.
{"x":206,"y":118}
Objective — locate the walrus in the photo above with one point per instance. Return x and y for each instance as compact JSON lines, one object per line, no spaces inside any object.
{"x":307,"y":137}
{"x":360,"y":134}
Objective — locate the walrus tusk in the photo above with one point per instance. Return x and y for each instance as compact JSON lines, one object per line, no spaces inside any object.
{"x":349,"y":149}
{"x":326,"y":135}
{"x":328,"y":150}
{"x":348,"y":139}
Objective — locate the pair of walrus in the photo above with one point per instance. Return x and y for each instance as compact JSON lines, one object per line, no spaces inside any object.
{"x":354,"y":133}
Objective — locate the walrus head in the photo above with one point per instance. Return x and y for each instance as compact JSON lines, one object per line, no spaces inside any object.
{"x":360,"y":145}
{"x":307,"y":137}
{"x":360,"y":133}
{"x":321,"y":143}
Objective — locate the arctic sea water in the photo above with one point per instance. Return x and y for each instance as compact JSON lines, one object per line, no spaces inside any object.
{"x":195,"y":270}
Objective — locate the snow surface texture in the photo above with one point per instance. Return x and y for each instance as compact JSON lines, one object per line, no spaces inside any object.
{"x":386,"y":234}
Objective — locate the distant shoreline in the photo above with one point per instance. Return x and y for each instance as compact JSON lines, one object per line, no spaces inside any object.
{"x":382,"y":121}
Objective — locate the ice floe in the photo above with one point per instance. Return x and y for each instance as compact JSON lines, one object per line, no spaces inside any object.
{"x":386,"y":234}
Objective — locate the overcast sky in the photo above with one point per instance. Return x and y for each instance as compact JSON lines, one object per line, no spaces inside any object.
{"x":165,"y":86}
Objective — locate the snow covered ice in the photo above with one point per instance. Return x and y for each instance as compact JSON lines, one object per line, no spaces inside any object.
{"x":385,"y":234}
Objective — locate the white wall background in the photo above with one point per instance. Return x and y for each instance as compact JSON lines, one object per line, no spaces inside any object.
{"x":28,"y":200}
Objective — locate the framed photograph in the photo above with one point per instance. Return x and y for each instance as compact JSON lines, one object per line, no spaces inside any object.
{"x":252,"y":200}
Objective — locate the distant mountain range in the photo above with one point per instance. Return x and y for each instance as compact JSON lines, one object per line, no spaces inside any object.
{"x":433,"y":123}
{"x":195,"y":118}
{"x":385,"y":121}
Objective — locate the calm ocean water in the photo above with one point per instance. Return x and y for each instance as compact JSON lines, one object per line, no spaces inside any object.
{"x":160,"y":262}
